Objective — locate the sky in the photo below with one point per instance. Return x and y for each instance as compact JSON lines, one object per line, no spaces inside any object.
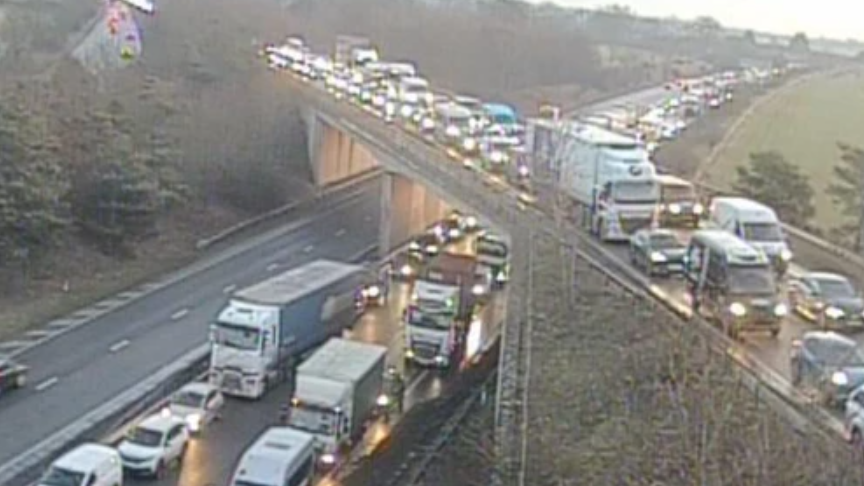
{"x":837,"y":19}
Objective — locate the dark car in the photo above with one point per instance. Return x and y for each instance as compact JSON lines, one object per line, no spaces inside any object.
{"x":828,"y":364}
{"x":425,"y":245}
{"x":657,"y":252}
{"x":406,"y":266}
{"x":12,"y":375}
{"x":828,"y":299}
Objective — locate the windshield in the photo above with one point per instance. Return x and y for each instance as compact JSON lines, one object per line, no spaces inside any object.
{"x":665,"y":242}
{"x":57,"y":476}
{"x":237,"y":337}
{"x":500,"y":145}
{"x":836,"y":289}
{"x":836,"y":353}
{"x":429,"y":320}
{"x":144,"y":437}
{"x":415,"y":88}
{"x":504,"y":119}
{"x":635,"y":192}
{"x":758,"y":280}
{"x":762,"y":232}
{"x":315,"y":420}
{"x":678,"y":193}
{"x":491,"y":248}
{"x":188,"y":399}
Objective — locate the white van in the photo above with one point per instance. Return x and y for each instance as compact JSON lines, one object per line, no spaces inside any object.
{"x":754,"y":223}
{"x":280,"y":456}
{"x":86,"y":465}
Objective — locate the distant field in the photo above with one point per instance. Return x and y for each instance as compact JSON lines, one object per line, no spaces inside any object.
{"x":804,"y":124}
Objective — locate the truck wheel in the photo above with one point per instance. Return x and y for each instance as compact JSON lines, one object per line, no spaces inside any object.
{"x":775,"y":331}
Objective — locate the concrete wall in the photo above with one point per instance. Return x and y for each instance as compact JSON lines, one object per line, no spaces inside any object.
{"x":407,"y":209}
{"x":334,"y":155}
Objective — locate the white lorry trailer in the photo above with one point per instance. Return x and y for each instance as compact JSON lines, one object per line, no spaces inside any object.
{"x":335,"y":394}
{"x":609,"y":177}
{"x":264,"y":326}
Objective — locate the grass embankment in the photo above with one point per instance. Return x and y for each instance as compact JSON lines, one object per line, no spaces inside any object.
{"x":804,"y":123}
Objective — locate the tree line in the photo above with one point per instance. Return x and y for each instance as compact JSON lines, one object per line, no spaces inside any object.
{"x":771,"y":178}
{"x":98,"y":178}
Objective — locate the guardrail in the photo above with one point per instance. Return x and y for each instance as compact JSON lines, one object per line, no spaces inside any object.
{"x":323,"y":193}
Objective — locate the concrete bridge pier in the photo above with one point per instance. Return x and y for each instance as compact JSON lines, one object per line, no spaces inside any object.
{"x":407,"y":209}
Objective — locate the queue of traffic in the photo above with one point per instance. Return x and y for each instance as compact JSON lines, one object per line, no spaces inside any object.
{"x":291,"y":328}
{"x":731,"y":252}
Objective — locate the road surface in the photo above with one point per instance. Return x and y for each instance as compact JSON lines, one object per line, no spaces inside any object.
{"x":86,"y":367}
{"x":212,"y":456}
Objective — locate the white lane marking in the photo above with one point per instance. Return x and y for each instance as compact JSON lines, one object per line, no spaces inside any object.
{"x":272,"y":266}
{"x":309,"y":249}
{"x":179,"y":314}
{"x":229,"y":289}
{"x":47,"y":384}
{"x":341,"y":232}
{"x":118,"y":345}
{"x":367,"y":218}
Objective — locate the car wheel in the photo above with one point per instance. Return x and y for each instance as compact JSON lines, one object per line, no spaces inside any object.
{"x":160,"y":470}
{"x":775,"y":332}
{"x":182,"y":455}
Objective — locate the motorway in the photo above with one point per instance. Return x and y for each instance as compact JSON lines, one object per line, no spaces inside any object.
{"x":211,"y":457}
{"x":768,"y":355}
{"x":86,"y":367}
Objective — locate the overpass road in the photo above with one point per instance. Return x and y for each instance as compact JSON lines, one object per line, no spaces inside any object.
{"x":89,"y":365}
{"x":765,"y":356}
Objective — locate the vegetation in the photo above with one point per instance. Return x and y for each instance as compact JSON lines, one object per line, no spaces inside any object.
{"x":803,"y":124}
{"x":847,"y":193}
{"x":773,"y":180}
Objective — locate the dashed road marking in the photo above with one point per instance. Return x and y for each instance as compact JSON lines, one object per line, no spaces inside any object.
{"x":341,"y":232}
{"x":272,"y":266}
{"x":47,"y":384}
{"x":10,"y":345}
{"x":309,"y":249}
{"x":118,"y":345}
{"x":367,"y":218}
{"x":38,"y":333}
{"x":229,"y":289}
{"x":180,"y":314}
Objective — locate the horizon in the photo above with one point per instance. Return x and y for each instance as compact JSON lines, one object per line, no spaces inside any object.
{"x":835,"y":19}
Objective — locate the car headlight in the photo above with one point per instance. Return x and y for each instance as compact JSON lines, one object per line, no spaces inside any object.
{"x":658,"y":257}
{"x":365,"y":96}
{"x":452,"y":131}
{"x":439,"y":359}
{"x":390,"y":108}
{"x":428,"y":123}
{"x":470,"y":221}
{"x":406,"y":110}
{"x":840,"y":378}
{"x":523,"y":170}
{"x":429,"y":98}
{"x":373,"y":292}
{"x":785,"y":255}
{"x":675,"y":208}
{"x":405,"y":270}
{"x":409,"y":353}
{"x":454,"y":233}
{"x":193,"y":422}
{"x":834,"y":312}
{"x":383,"y":400}
{"x":478,"y":289}
{"x":781,"y":310}
{"x":328,"y":459}
{"x":469,"y":144}
{"x":501,"y":277}
{"x":737,"y":309}
{"x":497,"y":157}
{"x":698,"y":209}
{"x":431,"y":249}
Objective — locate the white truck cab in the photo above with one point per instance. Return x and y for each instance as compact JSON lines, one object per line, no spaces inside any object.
{"x":413,"y":91}
{"x":86,"y":465}
{"x":431,"y":327}
{"x":754,"y":223}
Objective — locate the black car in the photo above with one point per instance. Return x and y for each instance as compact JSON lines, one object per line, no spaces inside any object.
{"x":657,"y":252}
{"x":12,"y":375}
{"x":828,"y":364}
{"x":426,"y":245}
{"x":827,"y":299}
{"x":406,"y":266}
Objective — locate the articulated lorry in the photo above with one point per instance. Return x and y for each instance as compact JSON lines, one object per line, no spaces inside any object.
{"x":336,"y":393}
{"x":609,"y":177}
{"x":264,"y":326}
{"x":442,"y":305}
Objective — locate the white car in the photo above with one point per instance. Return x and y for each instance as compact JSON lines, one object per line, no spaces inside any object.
{"x":154,"y":444}
{"x":197,"y":404}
